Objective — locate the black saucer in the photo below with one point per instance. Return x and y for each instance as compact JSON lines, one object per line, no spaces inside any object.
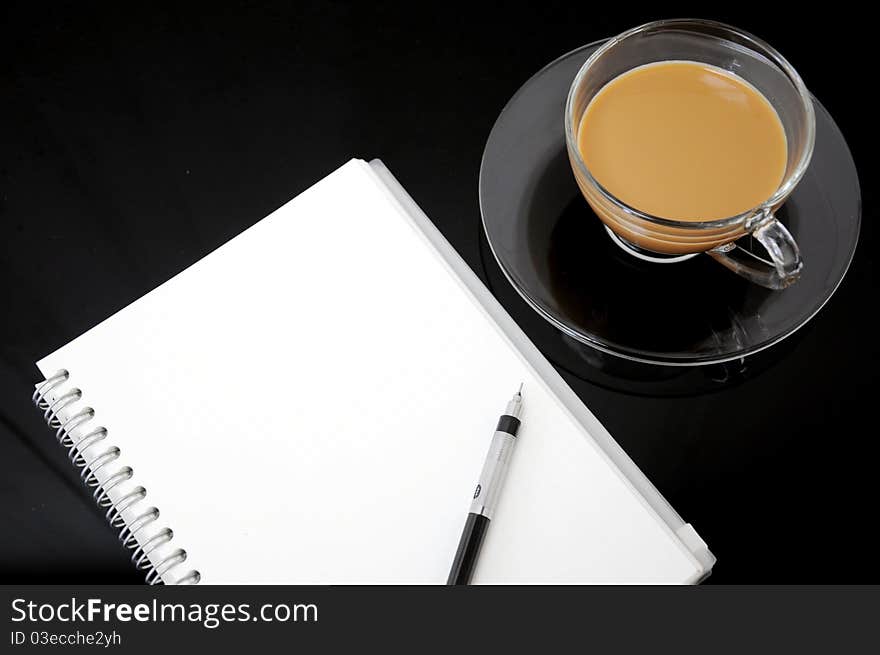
{"x":609,"y":306}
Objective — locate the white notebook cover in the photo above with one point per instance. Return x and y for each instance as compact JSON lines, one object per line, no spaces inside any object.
{"x":312,"y":402}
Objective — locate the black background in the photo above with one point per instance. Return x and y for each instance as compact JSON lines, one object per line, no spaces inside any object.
{"x":136,"y":139}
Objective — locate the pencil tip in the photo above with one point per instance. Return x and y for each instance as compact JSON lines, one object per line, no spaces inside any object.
{"x":519,"y":391}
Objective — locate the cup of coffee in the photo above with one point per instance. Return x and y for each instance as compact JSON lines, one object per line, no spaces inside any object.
{"x":686,"y":135}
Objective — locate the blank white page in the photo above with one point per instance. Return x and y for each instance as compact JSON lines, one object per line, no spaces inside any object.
{"x":312,"y":402}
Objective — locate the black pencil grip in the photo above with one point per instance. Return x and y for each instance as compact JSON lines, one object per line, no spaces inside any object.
{"x":468,"y":549}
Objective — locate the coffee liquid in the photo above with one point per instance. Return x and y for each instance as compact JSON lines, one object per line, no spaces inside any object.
{"x":684,"y":140}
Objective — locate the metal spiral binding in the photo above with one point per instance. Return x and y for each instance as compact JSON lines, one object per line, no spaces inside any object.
{"x":76,"y":447}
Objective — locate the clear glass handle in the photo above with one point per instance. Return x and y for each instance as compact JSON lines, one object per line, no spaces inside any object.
{"x":785,"y":263}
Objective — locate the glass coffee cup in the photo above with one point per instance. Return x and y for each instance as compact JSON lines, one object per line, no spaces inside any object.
{"x":667,"y":240}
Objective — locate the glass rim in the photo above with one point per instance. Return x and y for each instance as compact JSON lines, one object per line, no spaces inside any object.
{"x":758,"y":45}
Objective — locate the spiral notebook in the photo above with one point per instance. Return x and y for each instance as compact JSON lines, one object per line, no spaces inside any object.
{"x":311,"y":403}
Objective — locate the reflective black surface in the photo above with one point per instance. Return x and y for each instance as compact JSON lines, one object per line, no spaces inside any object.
{"x":135,"y":139}
{"x":557,"y":254}
{"x":629,"y":376}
